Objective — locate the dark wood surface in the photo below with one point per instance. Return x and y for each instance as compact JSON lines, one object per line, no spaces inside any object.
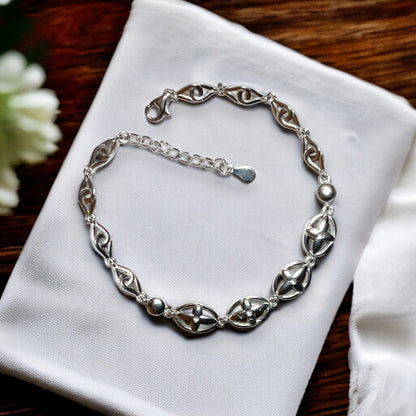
{"x":373,"y":40}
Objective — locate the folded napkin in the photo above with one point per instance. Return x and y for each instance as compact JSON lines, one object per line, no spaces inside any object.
{"x":194,"y":236}
{"x":383,"y":314}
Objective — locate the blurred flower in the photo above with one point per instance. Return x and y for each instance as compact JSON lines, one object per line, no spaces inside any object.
{"x":4,"y":2}
{"x":27,"y":130}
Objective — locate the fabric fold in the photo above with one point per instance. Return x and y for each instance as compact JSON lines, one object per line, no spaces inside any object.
{"x":383,"y":314}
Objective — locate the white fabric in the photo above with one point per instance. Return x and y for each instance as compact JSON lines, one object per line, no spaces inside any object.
{"x":383,"y":314}
{"x":191,"y":235}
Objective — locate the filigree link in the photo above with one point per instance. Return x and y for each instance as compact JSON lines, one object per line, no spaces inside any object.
{"x":86,"y":196}
{"x":290,"y":282}
{"x":126,"y":280}
{"x":103,"y":154}
{"x":101,"y":240}
{"x":312,"y":155}
{"x":244,"y":96}
{"x":284,"y":115}
{"x":196,"y":93}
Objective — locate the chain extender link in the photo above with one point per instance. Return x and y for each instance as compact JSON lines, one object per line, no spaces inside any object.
{"x":163,"y":148}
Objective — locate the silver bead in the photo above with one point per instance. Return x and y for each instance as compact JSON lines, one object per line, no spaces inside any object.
{"x":325,"y":193}
{"x":156,"y":306}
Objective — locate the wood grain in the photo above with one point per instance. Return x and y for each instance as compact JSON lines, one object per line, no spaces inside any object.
{"x":373,"y":40}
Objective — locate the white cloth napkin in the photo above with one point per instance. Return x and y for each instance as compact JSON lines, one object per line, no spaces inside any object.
{"x":383,"y":314}
{"x":193,"y":236}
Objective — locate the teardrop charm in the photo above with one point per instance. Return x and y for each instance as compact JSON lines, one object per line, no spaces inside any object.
{"x":244,"y":173}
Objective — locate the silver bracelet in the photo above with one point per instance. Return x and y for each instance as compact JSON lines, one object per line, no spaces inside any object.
{"x":318,"y":235}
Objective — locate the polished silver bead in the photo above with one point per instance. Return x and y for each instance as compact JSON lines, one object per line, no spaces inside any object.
{"x":325,"y":193}
{"x":156,"y":306}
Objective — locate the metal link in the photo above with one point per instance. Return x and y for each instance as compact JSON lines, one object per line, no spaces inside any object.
{"x":134,"y":139}
{"x":222,"y":321}
{"x":223,"y":167}
{"x":110,"y":262}
{"x":327,"y":209}
{"x":207,"y":163}
{"x":155,"y":146}
{"x":142,"y":298}
{"x":218,"y":163}
{"x":163,"y":148}
{"x":174,"y":154}
{"x":169,"y":312}
{"x":310,"y":261}
{"x":145,"y":141}
{"x":220,"y":89}
{"x":185,"y":158}
{"x":123,"y":137}
{"x":268,"y":98}
{"x":89,"y":171}
{"x":324,"y":177}
{"x":303,"y":133}
{"x":172,"y":94}
{"x":196,"y":161}
{"x":90,"y":219}
{"x":274,"y":302}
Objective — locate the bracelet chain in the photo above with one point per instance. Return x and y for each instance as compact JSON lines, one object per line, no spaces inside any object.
{"x":163,"y":148}
{"x":291,"y":281}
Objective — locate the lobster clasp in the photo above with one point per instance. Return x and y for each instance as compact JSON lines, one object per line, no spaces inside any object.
{"x":158,"y":109}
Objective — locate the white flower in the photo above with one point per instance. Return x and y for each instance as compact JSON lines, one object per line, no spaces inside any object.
{"x":27,"y":130}
{"x":4,"y":2}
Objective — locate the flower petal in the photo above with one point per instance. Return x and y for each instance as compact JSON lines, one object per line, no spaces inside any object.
{"x":8,"y":178}
{"x":12,"y":66}
{"x":27,"y":131}
{"x":8,"y":190}
{"x":34,"y":139}
{"x":32,"y":78}
{"x":28,"y":126}
{"x":40,"y":104}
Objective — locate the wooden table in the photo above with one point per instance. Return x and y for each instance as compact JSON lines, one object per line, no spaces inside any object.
{"x":373,"y":40}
